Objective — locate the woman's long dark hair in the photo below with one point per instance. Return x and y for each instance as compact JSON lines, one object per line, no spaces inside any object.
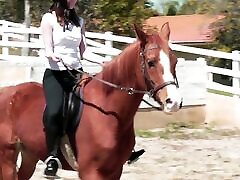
{"x":69,"y":15}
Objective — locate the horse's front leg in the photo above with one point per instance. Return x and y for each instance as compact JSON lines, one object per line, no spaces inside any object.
{"x":96,"y":174}
{"x":91,"y":174}
{"x":117,"y":173}
{"x":1,"y":155}
{"x":1,"y":176}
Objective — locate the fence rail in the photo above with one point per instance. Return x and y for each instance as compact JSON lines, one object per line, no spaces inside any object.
{"x":13,"y":36}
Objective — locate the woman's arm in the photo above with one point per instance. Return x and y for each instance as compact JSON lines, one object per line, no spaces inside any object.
{"x":47,"y":33}
{"x":83,"y":44}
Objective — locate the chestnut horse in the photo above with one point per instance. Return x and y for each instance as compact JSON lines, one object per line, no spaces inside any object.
{"x":104,"y":139}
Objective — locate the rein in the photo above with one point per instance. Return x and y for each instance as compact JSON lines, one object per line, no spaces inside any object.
{"x":130,"y":90}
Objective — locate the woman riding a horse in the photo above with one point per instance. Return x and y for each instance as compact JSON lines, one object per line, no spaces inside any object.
{"x":104,"y":138}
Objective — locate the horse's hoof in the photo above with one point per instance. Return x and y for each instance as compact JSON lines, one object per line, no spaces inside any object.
{"x":135,"y":156}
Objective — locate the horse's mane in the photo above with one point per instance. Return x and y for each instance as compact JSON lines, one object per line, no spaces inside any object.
{"x":121,"y":70}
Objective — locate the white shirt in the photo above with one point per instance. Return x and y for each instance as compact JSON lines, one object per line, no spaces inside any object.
{"x":64,"y":45}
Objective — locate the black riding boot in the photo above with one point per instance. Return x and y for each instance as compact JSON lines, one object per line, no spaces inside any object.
{"x":52,"y":162}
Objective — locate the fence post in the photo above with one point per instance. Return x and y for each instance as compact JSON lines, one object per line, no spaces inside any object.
{"x":236,"y":82}
{"x":236,"y":70}
{"x":210,"y":77}
{"x":180,"y":70}
{"x":41,"y":51}
{"x":203,"y":63}
{"x":28,"y":74}
{"x":5,"y":38}
{"x":108,"y":43}
{"x":27,"y":22}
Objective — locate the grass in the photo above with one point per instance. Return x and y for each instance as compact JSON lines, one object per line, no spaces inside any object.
{"x":220,"y":92}
{"x":187,"y":131}
{"x":170,"y":129}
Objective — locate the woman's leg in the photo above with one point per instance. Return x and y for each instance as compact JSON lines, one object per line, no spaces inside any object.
{"x":53,"y":92}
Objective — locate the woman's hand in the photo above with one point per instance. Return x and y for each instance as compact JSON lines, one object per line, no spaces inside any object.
{"x":54,"y":58}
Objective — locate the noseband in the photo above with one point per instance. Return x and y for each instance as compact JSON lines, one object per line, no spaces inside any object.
{"x":150,"y":85}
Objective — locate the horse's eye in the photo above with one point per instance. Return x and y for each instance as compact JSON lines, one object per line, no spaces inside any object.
{"x":151,"y":63}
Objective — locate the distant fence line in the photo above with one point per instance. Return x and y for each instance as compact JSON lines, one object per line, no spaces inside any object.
{"x":100,"y":48}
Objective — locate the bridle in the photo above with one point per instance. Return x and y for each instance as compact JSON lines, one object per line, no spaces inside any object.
{"x":150,"y":85}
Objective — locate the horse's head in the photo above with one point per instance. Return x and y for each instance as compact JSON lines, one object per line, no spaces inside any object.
{"x":158,"y":67}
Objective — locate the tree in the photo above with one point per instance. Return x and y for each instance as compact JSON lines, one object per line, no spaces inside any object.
{"x":199,"y":7}
{"x":12,"y":10}
{"x":117,"y":16}
{"x":100,"y":15}
{"x":170,"y":8}
{"x":228,"y":36}
{"x":38,"y":8}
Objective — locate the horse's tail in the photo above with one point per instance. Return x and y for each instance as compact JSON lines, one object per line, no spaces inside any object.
{"x":19,"y":161}
{"x":18,"y":154}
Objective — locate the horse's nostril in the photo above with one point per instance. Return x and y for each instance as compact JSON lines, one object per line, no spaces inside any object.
{"x":168,"y":101}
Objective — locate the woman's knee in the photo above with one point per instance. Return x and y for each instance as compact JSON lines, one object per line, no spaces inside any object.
{"x":51,"y":116}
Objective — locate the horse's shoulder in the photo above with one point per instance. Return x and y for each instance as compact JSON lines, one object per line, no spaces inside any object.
{"x":28,"y":90}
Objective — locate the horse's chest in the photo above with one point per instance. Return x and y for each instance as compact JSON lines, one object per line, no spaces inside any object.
{"x":106,"y":141}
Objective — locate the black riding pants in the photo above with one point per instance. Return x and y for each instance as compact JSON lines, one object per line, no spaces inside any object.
{"x":56,"y":85}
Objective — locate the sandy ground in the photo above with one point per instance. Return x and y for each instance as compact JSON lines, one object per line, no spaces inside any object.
{"x":180,"y":154}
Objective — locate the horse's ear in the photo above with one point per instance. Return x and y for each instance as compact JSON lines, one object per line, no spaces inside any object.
{"x":165,"y":31}
{"x":140,"y":34}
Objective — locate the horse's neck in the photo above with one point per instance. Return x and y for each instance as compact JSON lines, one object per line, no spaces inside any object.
{"x":124,"y":69}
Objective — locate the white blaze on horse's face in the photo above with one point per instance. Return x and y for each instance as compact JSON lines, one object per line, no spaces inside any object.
{"x":169,"y":96}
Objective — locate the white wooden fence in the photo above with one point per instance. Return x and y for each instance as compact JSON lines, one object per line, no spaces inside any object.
{"x":200,"y":77}
{"x":234,"y":72}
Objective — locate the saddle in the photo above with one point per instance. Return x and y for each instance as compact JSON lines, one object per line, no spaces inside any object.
{"x":73,"y":105}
